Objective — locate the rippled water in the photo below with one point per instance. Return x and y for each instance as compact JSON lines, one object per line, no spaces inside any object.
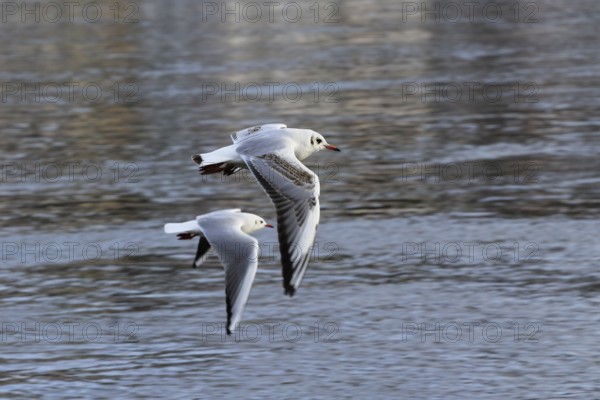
{"x":458,"y":250}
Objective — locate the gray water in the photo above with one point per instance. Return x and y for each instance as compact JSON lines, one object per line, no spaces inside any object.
{"x":458,"y":252}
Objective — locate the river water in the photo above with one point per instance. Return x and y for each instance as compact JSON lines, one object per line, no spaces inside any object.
{"x":458,"y":251}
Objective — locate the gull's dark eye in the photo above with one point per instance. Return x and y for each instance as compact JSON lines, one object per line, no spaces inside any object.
{"x":319,"y":141}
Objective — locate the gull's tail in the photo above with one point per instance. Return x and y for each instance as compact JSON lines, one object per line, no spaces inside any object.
{"x":221,"y":160}
{"x":183,"y":227}
{"x":189,"y":230}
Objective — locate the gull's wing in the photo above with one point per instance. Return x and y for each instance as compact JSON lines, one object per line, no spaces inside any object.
{"x":203,"y":244}
{"x":201,"y":252}
{"x":217,"y":213}
{"x":239,"y":136}
{"x":294,"y":190}
{"x":238,"y":253}
{"x":187,"y":230}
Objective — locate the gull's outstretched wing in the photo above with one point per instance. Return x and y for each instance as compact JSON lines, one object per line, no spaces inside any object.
{"x":240,"y":136}
{"x":294,"y":190}
{"x":201,"y":252}
{"x":238,"y":253}
{"x":188,"y":230}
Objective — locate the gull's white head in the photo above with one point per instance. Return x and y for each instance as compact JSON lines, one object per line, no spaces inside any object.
{"x":318,"y":142}
{"x":252,"y":222}
{"x":310,"y":142}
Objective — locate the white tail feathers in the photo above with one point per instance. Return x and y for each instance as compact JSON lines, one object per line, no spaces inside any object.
{"x":221,"y":155}
{"x":182,"y":227}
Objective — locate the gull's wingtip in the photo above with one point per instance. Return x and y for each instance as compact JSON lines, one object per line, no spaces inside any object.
{"x":290,"y":291}
{"x":197,"y":158}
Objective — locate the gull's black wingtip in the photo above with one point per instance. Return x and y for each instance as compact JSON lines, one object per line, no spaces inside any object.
{"x":290,"y":291}
{"x":197,"y":158}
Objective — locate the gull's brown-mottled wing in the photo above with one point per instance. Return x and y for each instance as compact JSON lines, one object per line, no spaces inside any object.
{"x":242,"y":135}
{"x":294,"y":190}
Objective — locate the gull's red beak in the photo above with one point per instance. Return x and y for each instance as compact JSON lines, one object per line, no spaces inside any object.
{"x":269,"y":226}
{"x":330,"y":147}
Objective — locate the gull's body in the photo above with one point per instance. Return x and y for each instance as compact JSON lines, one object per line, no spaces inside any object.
{"x":273,"y":153}
{"x":227,"y":232}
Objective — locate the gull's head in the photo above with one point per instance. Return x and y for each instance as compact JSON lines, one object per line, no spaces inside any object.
{"x":308,"y":142}
{"x":318,"y":143}
{"x":253,"y":222}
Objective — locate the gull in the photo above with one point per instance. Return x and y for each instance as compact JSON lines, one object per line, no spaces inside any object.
{"x":273,"y":153}
{"x":227,"y":232}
